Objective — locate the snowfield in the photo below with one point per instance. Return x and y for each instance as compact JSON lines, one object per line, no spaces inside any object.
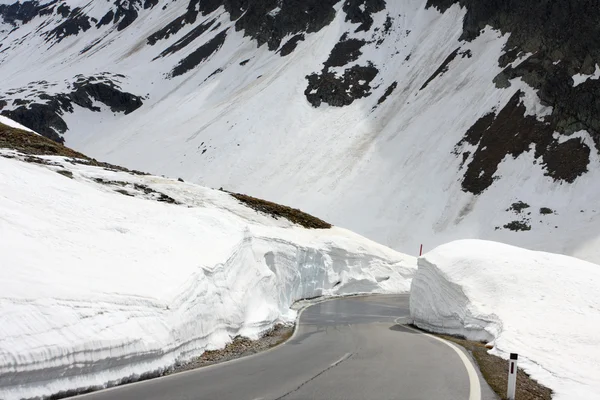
{"x":387,"y":171}
{"x":97,"y":286}
{"x":543,"y":306}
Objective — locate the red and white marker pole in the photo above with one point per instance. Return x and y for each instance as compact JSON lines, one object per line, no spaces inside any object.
{"x":512,"y":376}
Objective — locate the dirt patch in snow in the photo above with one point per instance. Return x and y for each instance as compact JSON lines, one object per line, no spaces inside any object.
{"x":239,"y":347}
{"x":29,"y":143}
{"x":495,"y":371}
{"x":36,"y":145}
{"x":278,"y":211}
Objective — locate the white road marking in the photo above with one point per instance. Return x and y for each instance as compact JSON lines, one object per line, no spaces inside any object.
{"x":474,"y":385}
{"x":346,"y":356}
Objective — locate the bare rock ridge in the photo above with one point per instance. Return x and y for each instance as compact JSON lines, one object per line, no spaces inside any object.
{"x":556,"y":39}
{"x":43,"y":112}
{"x":561,"y":36}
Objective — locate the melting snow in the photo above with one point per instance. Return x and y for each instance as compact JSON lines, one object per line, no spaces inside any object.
{"x":578,"y":79}
{"x":96,"y":286}
{"x":543,"y":306}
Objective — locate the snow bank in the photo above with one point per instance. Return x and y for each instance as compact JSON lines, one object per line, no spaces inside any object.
{"x":96,"y":286}
{"x":543,"y":306}
{"x":13,"y":124}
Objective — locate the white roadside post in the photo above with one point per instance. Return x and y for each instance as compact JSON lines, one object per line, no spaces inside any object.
{"x":512,"y":376}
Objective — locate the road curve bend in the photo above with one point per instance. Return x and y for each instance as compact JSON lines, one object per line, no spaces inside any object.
{"x":350,"y":348}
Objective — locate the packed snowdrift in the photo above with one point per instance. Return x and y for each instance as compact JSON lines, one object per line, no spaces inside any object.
{"x":543,"y":306}
{"x":97,"y":286}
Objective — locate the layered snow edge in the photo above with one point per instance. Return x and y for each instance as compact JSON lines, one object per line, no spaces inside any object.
{"x":98,"y":287}
{"x":542,"y":306}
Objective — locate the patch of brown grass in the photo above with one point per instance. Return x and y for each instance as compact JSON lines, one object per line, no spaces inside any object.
{"x":495,"y":371}
{"x":278,"y":211}
{"x":29,"y":143}
{"x":36,"y":145}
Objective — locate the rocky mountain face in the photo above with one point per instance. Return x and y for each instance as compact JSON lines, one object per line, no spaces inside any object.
{"x":414,"y":121}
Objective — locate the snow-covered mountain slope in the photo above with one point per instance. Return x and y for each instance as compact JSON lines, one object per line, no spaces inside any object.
{"x":107,"y":275}
{"x":417,"y":121}
{"x":540,"y":305}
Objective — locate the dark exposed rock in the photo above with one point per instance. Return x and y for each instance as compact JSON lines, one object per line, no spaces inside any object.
{"x":518,"y":207}
{"x":64,"y":10}
{"x":106,"y":19}
{"x":177,"y":24}
{"x":245,"y":62}
{"x":91,"y":46}
{"x":65,"y":172}
{"x":45,"y":117}
{"x":270,"y":21}
{"x":511,"y":132}
{"x":360,"y":11}
{"x":76,"y":22}
{"x":215,"y":72}
{"x":23,"y":11}
{"x":344,"y":52}
{"x":546,"y":211}
{"x":442,"y":69}
{"x":466,"y":54}
{"x":562,"y":35}
{"x":517,"y":226}
{"x":200,"y":54}
{"x":156,"y":195}
{"x":188,"y":38}
{"x":125,"y":16}
{"x":258,"y":20}
{"x":106,"y":93}
{"x":291,"y":45}
{"x":388,"y":93}
{"x":340,"y":91}
{"x":568,"y":160}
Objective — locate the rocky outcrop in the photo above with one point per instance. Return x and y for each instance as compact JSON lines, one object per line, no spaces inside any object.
{"x":559,"y":40}
{"x":512,"y":133}
{"x":200,"y":54}
{"x":42,"y":111}
{"x":24,"y":11}
{"x":341,"y":90}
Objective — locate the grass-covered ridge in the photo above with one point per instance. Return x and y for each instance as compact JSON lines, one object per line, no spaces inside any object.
{"x":36,"y":145}
{"x":278,"y":211}
{"x":29,"y":143}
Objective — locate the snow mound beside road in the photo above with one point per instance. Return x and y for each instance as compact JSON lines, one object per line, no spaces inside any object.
{"x":543,"y":306}
{"x":98,"y":285}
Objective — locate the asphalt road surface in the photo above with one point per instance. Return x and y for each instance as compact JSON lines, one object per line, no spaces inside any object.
{"x":353,"y":348}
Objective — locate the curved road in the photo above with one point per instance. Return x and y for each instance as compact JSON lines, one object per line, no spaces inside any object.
{"x":353,"y":348}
